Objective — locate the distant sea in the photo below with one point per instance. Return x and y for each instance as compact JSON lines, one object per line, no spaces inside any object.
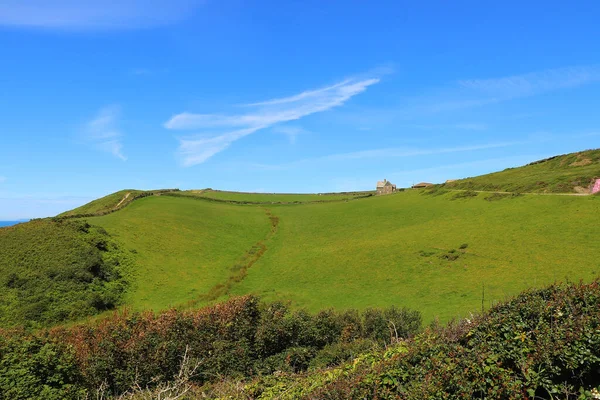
{"x":11,"y":223}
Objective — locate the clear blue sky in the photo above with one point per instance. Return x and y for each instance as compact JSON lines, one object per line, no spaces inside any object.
{"x":286,"y":96}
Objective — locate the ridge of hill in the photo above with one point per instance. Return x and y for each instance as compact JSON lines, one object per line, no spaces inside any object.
{"x":111,"y":203}
{"x":567,"y":173}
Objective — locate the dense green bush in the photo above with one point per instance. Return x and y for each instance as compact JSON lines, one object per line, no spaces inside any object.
{"x":52,"y":272}
{"x":236,"y":339}
{"x":544,"y":344}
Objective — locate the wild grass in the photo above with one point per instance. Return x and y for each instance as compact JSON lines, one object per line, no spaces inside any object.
{"x":568,"y":173}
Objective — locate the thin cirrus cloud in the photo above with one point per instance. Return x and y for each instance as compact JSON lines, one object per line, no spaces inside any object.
{"x":473,"y":93}
{"x":387,"y":153}
{"x":88,"y":14}
{"x":534,"y":83}
{"x":103,"y":133}
{"x":216,"y":132}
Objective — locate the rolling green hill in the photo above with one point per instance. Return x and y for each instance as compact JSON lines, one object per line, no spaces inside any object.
{"x":402,"y":249}
{"x":569,"y":173}
{"x":441,"y":252}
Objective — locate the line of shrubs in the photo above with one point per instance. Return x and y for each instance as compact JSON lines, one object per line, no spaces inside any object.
{"x":237,"y":339}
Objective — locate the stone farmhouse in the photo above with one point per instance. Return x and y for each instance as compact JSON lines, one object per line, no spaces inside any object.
{"x":385,"y":187}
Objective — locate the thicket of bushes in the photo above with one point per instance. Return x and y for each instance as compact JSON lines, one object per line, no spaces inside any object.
{"x":544,"y":344}
{"x":52,"y":272}
{"x":237,"y":339}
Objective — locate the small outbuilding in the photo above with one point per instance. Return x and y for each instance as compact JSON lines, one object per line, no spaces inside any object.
{"x":422,"y":185}
{"x":385,"y":187}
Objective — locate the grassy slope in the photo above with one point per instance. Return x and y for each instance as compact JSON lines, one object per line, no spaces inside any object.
{"x":556,"y":175}
{"x":274,"y":197}
{"x":52,"y":272}
{"x":102,"y":204}
{"x":368,"y":252}
{"x":184,"y":246}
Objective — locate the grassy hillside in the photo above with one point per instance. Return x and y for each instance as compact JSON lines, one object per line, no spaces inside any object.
{"x":184,"y":247}
{"x":405,"y":249}
{"x":402,"y":249}
{"x":103,"y":204}
{"x":567,"y":173}
{"x":113,"y":202}
{"x":52,"y":272}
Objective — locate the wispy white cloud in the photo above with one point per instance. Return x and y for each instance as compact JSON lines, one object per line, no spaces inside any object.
{"x":387,"y":153}
{"x":534,"y":83}
{"x":99,"y":14}
{"x":103,"y":133}
{"x":2,"y":179}
{"x":474,"y":93}
{"x":292,"y":132}
{"x":200,"y":147}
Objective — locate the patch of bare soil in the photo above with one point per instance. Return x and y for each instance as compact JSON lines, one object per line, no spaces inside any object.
{"x":581,"y":163}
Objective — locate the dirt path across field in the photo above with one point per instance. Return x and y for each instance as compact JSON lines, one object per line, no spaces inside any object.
{"x":122,"y":200}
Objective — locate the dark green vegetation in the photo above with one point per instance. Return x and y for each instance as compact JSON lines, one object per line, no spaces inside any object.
{"x":543,"y":344}
{"x":569,"y":173}
{"x":237,"y":339}
{"x":52,"y":272}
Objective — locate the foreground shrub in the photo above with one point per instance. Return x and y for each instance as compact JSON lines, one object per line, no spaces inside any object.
{"x":543,"y":344}
{"x":233,"y":340}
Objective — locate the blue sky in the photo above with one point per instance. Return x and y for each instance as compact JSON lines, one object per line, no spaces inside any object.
{"x":284,"y":96}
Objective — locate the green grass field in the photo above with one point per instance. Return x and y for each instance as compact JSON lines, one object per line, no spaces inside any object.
{"x":184,"y":246}
{"x":560,"y":174}
{"x":378,"y":251}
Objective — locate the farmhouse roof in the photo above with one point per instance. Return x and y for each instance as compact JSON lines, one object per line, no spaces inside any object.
{"x":423,"y":184}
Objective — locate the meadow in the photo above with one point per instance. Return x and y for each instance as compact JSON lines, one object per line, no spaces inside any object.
{"x":433,"y":253}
